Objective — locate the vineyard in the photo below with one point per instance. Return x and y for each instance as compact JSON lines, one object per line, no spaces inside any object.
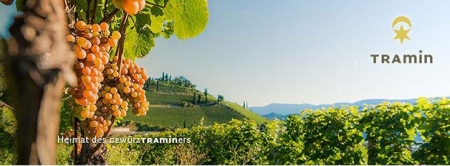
{"x":382,"y":134}
{"x":73,"y":64}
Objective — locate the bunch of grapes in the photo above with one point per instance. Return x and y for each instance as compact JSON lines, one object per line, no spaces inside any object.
{"x":131,"y":7}
{"x":124,"y":85}
{"x":91,"y":45}
{"x":102,"y":92}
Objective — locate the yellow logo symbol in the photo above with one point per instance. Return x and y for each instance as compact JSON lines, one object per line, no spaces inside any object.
{"x":402,"y":34}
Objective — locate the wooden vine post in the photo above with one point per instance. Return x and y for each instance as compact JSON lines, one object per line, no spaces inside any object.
{"x":38,"y":66}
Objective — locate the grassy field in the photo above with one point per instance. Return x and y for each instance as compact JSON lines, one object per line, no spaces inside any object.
{"x":170,"y":117}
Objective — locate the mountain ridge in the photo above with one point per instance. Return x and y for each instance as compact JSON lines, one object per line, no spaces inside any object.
{"x":282,"y":110}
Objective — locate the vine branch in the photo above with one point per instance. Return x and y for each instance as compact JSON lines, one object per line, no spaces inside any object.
{"x":119,"y":51}
{"x":74,"y":3}
{"x":75,"y":135}
{"x":154,"y":4}
{"x":105,"y":135}
{"x":110,"y":16}
{"x":3,"y":104}
{"x":87,"y":11}
{"x":105,"y":7}
{"x":94,"y":10}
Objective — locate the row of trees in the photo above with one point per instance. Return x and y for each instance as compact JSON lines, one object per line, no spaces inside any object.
{"x":383,"y":134}
{"x":180,"y":81}
{"x":197,"y":97}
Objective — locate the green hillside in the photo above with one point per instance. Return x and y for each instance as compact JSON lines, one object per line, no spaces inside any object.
{"x":169,"y":117}
{"x":246,"y":112}
{"x":173,"y":105}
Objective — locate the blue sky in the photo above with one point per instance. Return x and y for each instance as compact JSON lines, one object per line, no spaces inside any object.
{"x":290,"y":51}
{"x":7,"y":13}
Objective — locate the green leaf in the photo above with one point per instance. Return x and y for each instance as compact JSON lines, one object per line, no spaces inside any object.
{"x":99,"y":13}
{"x":19,"y":5}
{"x":157,"y":2}
{"x":81,"y":7}
{"x":190,"y":17}
{"x":168,"y":30}
{"x":157,"y":23}
{"x":157,"y":11}
{"x":139,"y":39}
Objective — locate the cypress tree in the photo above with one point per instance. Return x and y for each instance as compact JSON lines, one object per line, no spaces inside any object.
{"x":157,"y":85}
{"x":206,"y":95}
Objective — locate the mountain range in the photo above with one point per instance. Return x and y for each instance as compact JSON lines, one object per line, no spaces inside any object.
{"x":280,"y":111}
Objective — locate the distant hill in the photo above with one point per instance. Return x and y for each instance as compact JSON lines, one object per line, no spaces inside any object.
{"x":172,"y":105}
{"x":275,"y":116}
{"x":287,"y":109}
{"x":283,"y":109}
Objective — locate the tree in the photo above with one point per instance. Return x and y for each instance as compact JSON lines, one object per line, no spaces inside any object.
{"x":148,"y":83}
{"x":166,"y":78}
{"x":199,"y":97}
{"x":157,"y":85}
{"x":245,"y":104}
{"x":163,"y":76}
{"x":206,"y":95}
{"x":220,"y":98}
{"x":36,"y":81}
{"x":194,"y":101}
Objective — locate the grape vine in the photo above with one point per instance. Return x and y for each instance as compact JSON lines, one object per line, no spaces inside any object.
{"x":104,"y":89}
{"x":106,"y":36}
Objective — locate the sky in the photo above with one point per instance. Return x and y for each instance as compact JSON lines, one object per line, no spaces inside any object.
{"x":317,"y":52}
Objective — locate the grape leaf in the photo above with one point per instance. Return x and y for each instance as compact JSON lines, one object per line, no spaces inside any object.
{"x":138,"y":43}
{"x":168,"y":30}
{"x":190,"y":17}
{"x":99,"y":13}
{"x":157,"y":11}
{"x":81,"y":7}
{"x":139,"y":39}
{"x":156,"y":24}
{"x":156,"y":19}
{"x":157,"y":2}
{"x":19,"y":5}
